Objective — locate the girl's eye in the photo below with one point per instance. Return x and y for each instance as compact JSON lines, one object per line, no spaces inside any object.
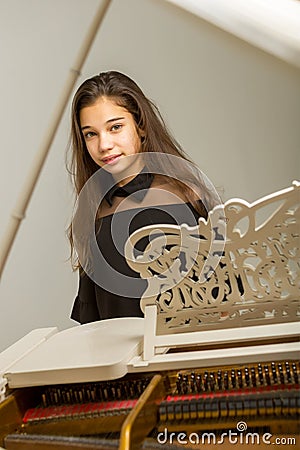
{"x":116,"y":127}
{"x":89,"y":134}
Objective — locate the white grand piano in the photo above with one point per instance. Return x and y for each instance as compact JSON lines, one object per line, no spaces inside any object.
{"x":219,"y":342}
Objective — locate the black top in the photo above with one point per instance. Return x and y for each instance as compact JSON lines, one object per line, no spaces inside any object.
{"x":93,"y":301}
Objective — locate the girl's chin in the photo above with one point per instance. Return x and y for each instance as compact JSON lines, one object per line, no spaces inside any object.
{"x":114,"y":168}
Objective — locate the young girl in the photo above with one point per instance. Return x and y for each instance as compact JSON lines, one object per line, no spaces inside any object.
{"x":128,"y":172}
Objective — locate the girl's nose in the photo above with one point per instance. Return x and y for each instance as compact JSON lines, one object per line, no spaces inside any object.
{"x":105,"y":142}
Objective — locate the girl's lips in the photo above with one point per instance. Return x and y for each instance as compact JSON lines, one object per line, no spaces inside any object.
{"x":113,"y":159}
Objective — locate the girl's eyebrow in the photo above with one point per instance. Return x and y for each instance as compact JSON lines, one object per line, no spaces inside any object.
{"x":114,"y":118}
{"x":108,"y":121}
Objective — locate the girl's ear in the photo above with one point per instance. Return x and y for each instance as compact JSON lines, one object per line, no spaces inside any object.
{"x":142,"y":135}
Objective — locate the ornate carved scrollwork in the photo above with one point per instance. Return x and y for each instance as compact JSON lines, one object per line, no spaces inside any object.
{"x":238,"y":268}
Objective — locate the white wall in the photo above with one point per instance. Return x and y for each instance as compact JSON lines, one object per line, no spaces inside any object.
{"x":234,"y":108}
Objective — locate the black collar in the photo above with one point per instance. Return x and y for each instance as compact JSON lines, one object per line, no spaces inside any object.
{"x":138,"y":187}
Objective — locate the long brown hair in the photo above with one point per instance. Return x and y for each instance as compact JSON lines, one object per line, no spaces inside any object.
{"x":156,"y":137}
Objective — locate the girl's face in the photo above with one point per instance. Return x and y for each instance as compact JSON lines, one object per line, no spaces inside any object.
{"x":111,"y":134}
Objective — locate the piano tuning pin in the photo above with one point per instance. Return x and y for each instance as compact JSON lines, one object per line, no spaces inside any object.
{"x":86,"y":394}
{"x":52,"y":397}
{"x":226,"y":380}
{"x":295,"y":373}
{"x":211,"y":381}
{"x":74,"y":395}
{"x":179,"y":383}
{"x":288,"y":372}
{"x":113,"y":392}
{"x":58,"y":395}
{"x":185,"y":384}
{"x":126,"y":390}
{"x":93,"y":394}
{"x":63,"y":396}
{"x":143,"y":385}
{"x":105,"y":392}
{"x":44,"y":400}
{"x":70,"y":395}
{"x":240,"y":378}
{"x":99,"y":392}
{"x":138,"y":387}
{"x":274,"y":372}
{"x":233,"y":378}
{"x":77,"y":396}
{"x":281,"y":373}
{"x":205,"y":381}
{"x":247,"y":377}
{"x":219,"y":379}
{"x":267,"y":375}
{"x":118,"y":391}
{"x":199,"y":383}
{"x":132,"y":390}
{"x":193,"y":382}
{"x":253,"y":376}
{"x":260,"y":374}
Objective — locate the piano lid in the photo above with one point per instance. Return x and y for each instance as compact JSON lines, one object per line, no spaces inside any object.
{"x":273,"y":26}
{"x":92,"y":352}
